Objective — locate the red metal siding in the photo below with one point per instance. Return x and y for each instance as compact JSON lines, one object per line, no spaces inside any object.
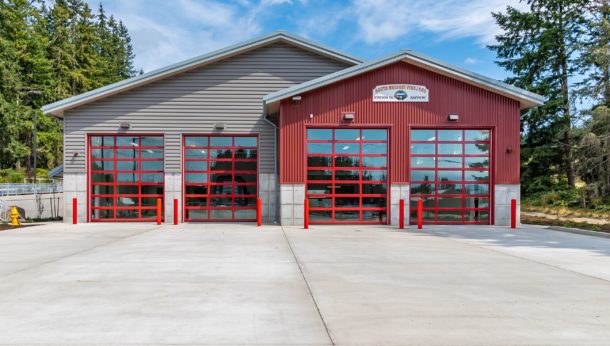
{"x":476,"y":107}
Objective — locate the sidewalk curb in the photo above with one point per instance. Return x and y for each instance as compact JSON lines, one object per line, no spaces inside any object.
{"x":579,"y":231}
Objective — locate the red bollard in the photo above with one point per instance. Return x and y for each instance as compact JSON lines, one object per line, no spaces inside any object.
{"x":175,"y":211}
{"x":259,"y":212}
{"x":306,"y":214}
{"x":74,"y":211}
{"x":401,"y":214}
{"x":513,"y":213}
{"x":420,"y":214}
{"x":159,"y":209}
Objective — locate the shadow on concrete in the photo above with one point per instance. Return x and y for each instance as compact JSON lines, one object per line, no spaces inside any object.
{"x":525,"y":237}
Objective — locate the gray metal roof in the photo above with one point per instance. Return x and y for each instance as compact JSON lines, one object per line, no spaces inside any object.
{"x":526,"y":99}
{"x":58,"y":107}
{"x":56,"y":172}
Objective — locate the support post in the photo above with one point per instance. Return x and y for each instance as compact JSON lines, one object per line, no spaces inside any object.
{"x":513,"y":213}
{"x":159,"y":210}
{"x":259,"y":212}
{"x":74,"y":211}
{"x":401,"y":214}
{"x":175,"y":211}
{"x":306,"y":214}
{"x":420,"y":214}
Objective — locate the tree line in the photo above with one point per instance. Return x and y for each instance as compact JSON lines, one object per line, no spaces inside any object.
{"x":561,"y":49}
{"x":48,"y":52}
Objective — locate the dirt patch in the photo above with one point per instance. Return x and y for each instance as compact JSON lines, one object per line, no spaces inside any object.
{"x":577,"y":219}
{"x":539,"y":220}
{"x":4,"y":227}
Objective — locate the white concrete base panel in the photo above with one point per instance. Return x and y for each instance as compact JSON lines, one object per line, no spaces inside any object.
{"x":267,"y":184}
{"x":503,"y":194}
{"x":172,"y":190}
{"x":292,"y":200}
{"x":75,"y":186}
{"x":398,"y":192}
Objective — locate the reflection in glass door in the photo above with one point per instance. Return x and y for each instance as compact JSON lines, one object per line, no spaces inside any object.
{"x":450,"y":173}
{"x":220,"y":178}
{"x":347,"y":175}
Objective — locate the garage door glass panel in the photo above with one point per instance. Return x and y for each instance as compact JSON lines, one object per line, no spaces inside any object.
{"x":221,"y":177}
{"x":347,"y":175}
{"x":450,"y":172}
{"x":126,"y":177}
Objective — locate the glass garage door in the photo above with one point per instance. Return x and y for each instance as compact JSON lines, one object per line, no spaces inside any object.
{"x":347,"y":175}
{"x":220,"y":178}
{"x":450,"y":173}
{"x":125,"y":177}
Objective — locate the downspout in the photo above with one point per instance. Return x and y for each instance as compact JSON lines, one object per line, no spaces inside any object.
{"x":275,"y":129}
{"x":275,"y":160}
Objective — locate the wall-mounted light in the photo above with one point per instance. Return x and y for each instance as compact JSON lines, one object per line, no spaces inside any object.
{"x":310,"y":115}
{"x":125,"y":126}
{"x":296,"y":99}
{"x":219,"y":126}
{"x":509,"y":149}
{"x":453,"y":117}
{"x":348,"y":116}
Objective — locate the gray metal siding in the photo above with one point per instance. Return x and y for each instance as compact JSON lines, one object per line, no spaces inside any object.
{"x":228,"y":91}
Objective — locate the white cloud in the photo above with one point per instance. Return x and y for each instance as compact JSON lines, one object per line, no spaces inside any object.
{"x":471,"y":61}
{"x":165,"y":32}
{"x":392,"y":19}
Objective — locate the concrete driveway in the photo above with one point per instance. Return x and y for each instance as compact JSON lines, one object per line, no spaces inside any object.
{"x":227,"y":284}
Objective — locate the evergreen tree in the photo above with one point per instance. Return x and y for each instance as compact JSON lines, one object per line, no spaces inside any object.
{"x":595,"y":58}
{"x":539,"y":48}
{"x":47,"y":54}
{"x":594,"y":154}
{"x":128,"y":56}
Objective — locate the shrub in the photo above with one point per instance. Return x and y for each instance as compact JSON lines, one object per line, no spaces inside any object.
{"x":10,"y":175}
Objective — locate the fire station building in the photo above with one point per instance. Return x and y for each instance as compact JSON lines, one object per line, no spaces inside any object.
{"x":285,"y":119}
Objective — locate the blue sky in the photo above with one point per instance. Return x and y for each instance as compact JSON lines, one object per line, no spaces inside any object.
{"x":165,"y":32}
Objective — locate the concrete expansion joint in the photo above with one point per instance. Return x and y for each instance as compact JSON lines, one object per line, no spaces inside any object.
{"x":313,"y":299}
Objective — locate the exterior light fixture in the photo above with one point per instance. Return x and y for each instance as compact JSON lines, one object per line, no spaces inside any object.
{"x":509,"y":149}
{"x":296,"y":98}
{"x":125,"y":126}
{"x":219,"y":126}
{"x":348,"y":116}
{"x":453,"y":117}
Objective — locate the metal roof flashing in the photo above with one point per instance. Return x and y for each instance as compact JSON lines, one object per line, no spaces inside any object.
{"x":57,"y":108}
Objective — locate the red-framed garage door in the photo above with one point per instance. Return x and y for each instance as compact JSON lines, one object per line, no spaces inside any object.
{"x":347,"y":173}
{"x":450,"y":172}
{"x":125,"y":177}
{"x":220,"y":177}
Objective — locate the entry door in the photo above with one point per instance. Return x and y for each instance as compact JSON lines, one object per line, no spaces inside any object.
{"x":347,"y":175}
{"x":220,"y":178}
{"x":450,"y":173}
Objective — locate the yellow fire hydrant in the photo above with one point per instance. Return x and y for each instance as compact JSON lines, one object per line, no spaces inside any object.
{"x":15,"y":217}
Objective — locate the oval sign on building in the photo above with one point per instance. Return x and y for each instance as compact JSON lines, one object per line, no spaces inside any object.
{"x":400,"y":93}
